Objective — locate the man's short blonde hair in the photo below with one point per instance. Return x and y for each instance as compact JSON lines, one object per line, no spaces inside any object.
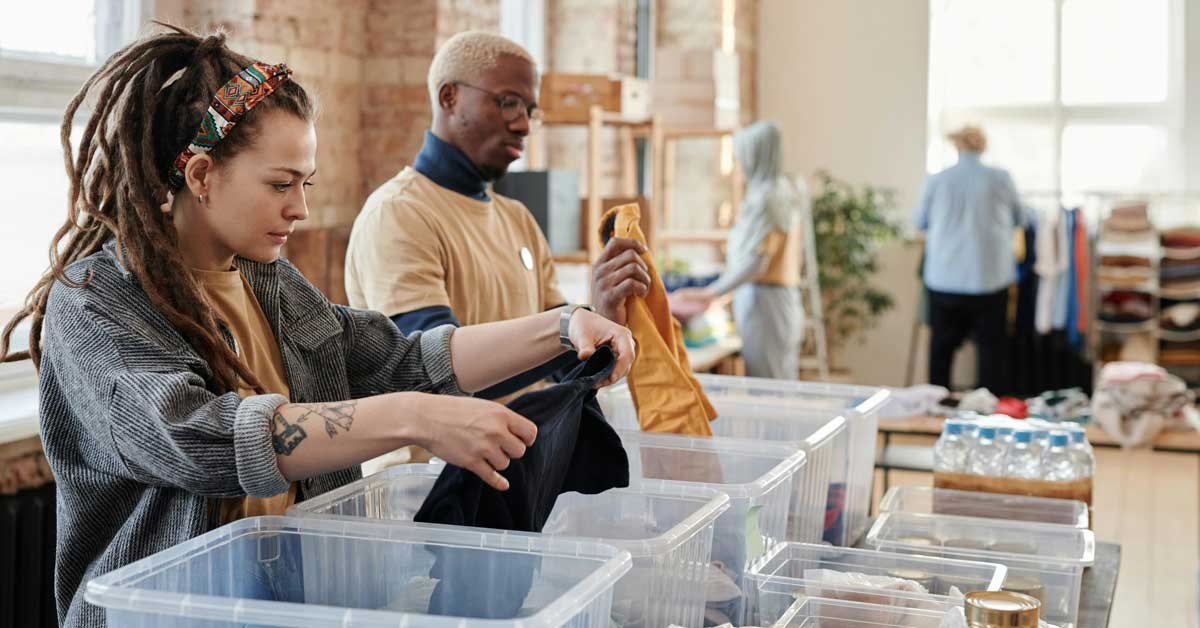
{"x":467,"y":57}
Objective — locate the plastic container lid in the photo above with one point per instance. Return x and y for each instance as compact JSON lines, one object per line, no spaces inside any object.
{"x":1058,"y":439}
{"x":987,"y":432}
{"x":1024,"y":436}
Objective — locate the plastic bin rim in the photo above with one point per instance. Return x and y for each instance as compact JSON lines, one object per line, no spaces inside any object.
{"x":999,"y":571}
{"x":769,"y":480}
{"x":715,"y":503}
{"x":1088,"y":537}
{"x":873,"y":397}
{"x":803,"y":600}
{"x":1079,"y":509}
{"x":106,"y":590}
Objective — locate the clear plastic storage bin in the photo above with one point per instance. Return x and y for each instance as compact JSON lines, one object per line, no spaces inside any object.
{"x":1043,"y":560}
{"x":756,"y":475}
{"x":792,"y":570}
{"x":814,"y":612}
{"x":667,"y":529}
{"x":293,"y":572}
{"x":942,"y":501}
{"x":841,"y":461}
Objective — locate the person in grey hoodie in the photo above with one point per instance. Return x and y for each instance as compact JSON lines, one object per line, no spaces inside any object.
{"x":763,"y":261}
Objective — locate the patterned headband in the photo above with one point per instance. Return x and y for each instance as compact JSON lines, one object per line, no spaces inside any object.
{"x":229,"y":104}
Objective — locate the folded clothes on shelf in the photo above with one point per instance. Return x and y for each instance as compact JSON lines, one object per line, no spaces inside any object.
{"x":1180,"y":289}
{"x":1180,"y":268}
{"x":1126,"y":306}
{"x":1180,"y":316}
{"x":1123,"y":276}
{"x":1182,"y":243}
{"x":1128,"y":218}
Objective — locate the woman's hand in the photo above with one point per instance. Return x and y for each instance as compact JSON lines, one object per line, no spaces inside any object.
{"x":589,"y":330}
{"x":687,"y":303}
{"x":474,"y":434}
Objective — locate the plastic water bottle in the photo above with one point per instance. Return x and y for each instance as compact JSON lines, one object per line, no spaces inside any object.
{"x":1058,"y":464}
{"x":970,"y":433}
{"x":1041,"y":441}
{"x":987,"y":458}
{"x":1004,"y":438}
{"x":1084,"y":456}
{"x":1022,"y":461}
{"x":950,"y":450}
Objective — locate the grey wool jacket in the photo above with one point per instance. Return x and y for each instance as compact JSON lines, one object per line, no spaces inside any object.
{"x":142,"y":450}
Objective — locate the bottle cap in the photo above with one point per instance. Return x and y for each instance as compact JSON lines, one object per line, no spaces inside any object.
{"x":1005,"y":431}
{"x":987,"y":432}
{"x":1024,"y":436}
{"x":1058,"y":439}
{"x":1077,"y":436}
{"x":953,"y":427}
{"x":1001,"y":609}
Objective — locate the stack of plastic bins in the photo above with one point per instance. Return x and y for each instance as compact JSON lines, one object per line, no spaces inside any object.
{"x":813,"y":612}
{"x":762,"y":408}
{"x":942,"y":501}
{"x":667,"y":529}
{"x":1043,"y":560}
{"x":756,"y":475}
{"x":797,"y":569}
{"x":286,"y":571}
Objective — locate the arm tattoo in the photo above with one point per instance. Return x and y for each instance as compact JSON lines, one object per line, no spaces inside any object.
{"x":287,"y":436}
{"x":336,"y":415}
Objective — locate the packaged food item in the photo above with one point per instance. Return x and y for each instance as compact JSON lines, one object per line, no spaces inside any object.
{"x":1001,"y":609}
{"x":1027,"y":585}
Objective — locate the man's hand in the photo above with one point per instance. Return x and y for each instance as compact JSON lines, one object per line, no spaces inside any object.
{"x":619,"y":273}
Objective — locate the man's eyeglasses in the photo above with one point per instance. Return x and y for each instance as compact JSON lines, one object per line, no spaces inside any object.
{"x":511,"y":106}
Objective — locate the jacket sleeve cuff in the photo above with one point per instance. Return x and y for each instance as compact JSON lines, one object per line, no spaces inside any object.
{"x":435,"y":352}
{"x":257,"y":467}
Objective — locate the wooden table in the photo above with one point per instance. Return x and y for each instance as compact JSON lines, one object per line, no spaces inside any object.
{"x":1187,"y":442}
{"x":722,"y":357}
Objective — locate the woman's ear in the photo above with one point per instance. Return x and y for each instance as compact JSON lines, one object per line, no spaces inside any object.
{"x":197,"y":174}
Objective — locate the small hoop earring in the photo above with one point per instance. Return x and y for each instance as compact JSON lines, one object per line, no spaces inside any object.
{"x":200,"y":198}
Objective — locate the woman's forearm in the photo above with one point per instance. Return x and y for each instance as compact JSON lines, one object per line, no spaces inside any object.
{"x":314,"y":438}
{"x":484,"y":355}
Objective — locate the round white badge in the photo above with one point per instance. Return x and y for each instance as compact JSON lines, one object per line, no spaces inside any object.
{"x":526,"y":258}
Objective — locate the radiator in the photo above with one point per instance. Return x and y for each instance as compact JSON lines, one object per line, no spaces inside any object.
{"x":27,"y":543}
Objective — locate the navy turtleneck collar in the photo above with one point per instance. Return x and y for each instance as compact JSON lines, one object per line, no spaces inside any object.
{"x":450,"y":168}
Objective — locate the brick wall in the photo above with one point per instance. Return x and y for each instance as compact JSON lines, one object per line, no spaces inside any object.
{"x":366,"y":61}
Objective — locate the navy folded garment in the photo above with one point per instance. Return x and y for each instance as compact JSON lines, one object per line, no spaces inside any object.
{"x":576,"y":451}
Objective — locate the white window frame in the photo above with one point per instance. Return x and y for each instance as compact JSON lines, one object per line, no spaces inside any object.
{"x":1168,"y":114}
{"x":37,"y":87}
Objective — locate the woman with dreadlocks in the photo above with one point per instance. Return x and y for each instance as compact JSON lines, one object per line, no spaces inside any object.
{"x":189,"y":375}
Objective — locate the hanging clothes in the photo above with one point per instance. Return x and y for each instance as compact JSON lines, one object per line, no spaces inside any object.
{"x":1028,"y":281}
{"x":1082,"y":279}
{"x":665,"y":392}
{"x":1049,"y":266}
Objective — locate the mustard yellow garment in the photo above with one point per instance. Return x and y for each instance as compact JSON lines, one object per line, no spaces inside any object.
{"x":231,"y":297}
{"x":666,"y":394}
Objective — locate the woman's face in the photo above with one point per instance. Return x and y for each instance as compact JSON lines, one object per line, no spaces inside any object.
{"x":253,"y":199}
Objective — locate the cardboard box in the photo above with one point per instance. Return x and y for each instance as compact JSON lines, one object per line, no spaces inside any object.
{"x":569,"y":97}
{"x":696,"y":88}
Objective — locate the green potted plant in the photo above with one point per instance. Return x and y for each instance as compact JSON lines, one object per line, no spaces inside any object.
{"x":850,"y":223}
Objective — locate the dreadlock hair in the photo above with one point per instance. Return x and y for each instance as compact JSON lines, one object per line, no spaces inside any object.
{"x":148,"y":99}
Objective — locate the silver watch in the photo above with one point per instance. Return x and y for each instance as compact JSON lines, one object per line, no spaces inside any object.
{"x":564,"y":324}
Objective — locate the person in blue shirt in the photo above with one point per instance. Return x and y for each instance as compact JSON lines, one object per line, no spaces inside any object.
{"x":968,"y":213}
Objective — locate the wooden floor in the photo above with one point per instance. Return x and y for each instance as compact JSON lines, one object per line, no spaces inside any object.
{"x":1149,"y":502}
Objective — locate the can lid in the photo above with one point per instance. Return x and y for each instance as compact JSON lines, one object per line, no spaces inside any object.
{"x":1001,"y":609}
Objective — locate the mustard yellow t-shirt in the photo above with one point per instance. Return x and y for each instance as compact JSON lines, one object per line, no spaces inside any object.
{"x":234,"y":302}
{"x":416,"y":245}
{"x":783,"y":258}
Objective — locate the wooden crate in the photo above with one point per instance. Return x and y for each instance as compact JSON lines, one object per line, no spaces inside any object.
{"x":568,"y":98}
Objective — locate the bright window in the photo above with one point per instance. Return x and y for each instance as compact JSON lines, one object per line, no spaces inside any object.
{"x":47,"y":50}
{"x":1078,"y":97}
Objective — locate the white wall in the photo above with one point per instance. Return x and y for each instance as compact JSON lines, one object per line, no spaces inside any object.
{"x":847,"y":82}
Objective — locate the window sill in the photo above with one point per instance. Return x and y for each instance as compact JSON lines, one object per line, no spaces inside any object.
{"x":18,"y":401}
